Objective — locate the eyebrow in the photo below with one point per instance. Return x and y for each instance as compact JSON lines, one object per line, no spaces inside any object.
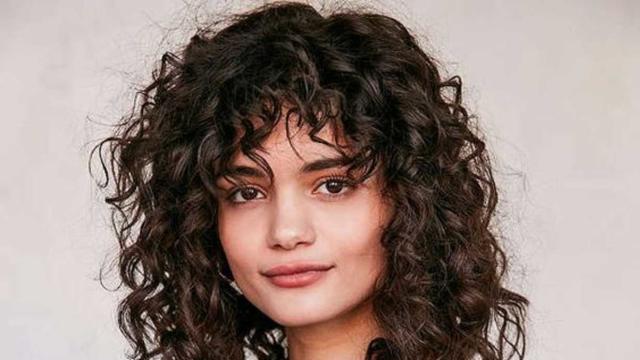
{"x":316,"y":165}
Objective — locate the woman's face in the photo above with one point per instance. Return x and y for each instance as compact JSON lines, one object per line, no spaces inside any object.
{"x":303,"y":217}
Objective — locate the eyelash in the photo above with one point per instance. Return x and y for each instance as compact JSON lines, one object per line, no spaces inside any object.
{"x":347,"y":183}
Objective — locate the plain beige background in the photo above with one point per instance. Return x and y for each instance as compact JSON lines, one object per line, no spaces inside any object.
{"x":555,"y":84}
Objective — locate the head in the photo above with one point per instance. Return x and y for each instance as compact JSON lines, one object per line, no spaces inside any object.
{"x":218,"y":172}
{"x":303,"y":213}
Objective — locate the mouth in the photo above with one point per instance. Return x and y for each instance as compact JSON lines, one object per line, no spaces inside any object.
{"x":296,"y":275}
{"x":298,"y":279}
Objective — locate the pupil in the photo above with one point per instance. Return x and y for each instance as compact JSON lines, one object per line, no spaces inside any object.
{"x":336,"y":188}
{"x":248,"y":193}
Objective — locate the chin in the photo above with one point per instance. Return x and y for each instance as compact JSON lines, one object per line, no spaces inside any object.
{"x":299,"y":317}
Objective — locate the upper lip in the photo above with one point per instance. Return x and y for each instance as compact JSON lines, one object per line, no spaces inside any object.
{"x":288,"y":269}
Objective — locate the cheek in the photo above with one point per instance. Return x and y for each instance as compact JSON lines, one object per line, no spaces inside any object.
{"x":354,"y":232}
{"x":239,"y":241}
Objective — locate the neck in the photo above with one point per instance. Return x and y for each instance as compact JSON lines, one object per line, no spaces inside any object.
{"x":345,"y":337}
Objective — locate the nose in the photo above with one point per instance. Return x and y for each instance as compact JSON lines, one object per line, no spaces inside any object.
{"x":291,"y":224}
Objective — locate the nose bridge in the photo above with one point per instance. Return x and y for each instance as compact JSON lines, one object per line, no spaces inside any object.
{"x":290,"y":220}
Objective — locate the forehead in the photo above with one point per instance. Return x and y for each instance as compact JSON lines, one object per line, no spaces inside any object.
{"x":290,"y":144}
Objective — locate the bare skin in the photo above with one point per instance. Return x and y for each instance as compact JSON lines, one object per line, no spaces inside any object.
{"x":344,"y":338}
{"x":301,"y":218}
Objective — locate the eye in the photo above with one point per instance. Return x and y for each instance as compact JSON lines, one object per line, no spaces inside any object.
{"x":336,"y":184}
{"x":245,"y":193}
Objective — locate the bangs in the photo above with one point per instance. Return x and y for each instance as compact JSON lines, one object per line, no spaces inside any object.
{"x":246,"y":128}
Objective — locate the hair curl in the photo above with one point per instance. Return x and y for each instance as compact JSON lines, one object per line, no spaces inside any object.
{"x":442,"y":295}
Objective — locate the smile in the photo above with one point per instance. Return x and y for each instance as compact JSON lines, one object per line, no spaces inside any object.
{"x":298,"y":279}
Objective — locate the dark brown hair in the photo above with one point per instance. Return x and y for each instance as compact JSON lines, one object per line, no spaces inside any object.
{"x":442,"y":295}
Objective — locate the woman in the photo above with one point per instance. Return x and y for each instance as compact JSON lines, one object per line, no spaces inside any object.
{"x":307,"y":187}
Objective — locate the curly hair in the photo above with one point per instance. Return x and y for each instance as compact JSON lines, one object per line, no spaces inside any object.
{"x":442,"y":295}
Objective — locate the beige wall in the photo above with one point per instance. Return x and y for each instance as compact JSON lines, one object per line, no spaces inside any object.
{"x":555,"y":86}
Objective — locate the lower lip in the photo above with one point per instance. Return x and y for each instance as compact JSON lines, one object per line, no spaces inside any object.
{"x":299,"y":279}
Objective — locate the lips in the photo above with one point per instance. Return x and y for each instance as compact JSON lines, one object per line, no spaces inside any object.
{"x":296,"y":275}
{"x":290,"y":269}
